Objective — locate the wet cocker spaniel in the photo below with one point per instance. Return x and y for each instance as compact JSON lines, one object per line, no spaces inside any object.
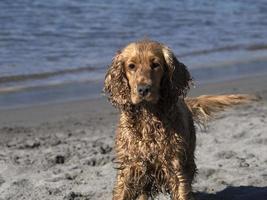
{"x":155,"y":138}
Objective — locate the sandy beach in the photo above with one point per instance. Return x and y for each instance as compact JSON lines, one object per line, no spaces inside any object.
{"x":56,"y":128}
{"x":65,"y":150}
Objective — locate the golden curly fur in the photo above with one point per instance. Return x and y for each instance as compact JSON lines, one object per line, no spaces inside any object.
{"x":155,"y":138}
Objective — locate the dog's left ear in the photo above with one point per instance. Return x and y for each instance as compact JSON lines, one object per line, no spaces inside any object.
{"x":179,"y":76}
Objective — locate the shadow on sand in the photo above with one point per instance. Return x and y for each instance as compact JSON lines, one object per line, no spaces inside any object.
{"x":236,"y":193}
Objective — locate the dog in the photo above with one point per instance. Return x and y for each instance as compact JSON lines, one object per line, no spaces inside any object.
{"x":155,"y":138}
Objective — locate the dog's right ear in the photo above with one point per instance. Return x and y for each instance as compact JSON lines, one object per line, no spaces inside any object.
{"x":116,"y":84}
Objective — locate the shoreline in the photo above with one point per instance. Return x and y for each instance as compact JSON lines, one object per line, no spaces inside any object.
{"x":55,"y":110}
{"x":81,"y":92}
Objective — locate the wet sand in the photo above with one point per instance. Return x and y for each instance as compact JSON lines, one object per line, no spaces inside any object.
{"x":65,"y":150}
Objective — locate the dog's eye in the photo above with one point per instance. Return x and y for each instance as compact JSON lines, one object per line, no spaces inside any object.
{"x":155,"y":65}
{"x":131,"y":66}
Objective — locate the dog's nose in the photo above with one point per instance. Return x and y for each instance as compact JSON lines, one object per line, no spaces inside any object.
{"x":143,"y":90}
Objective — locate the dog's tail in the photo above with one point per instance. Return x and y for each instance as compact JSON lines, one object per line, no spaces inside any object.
{"x":204,"y":107}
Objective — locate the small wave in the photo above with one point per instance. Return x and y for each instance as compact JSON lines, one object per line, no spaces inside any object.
{"x":44,"y":75}
{"x":256,"y":47}
{"x":19,"y":88}
{"x":251,"y":47}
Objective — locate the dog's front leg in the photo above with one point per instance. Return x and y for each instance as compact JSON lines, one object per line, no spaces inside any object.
{"x":180,"y":185}
{"x":143,"y":197}
{"x":180,"y":188}
{"x":122,"y":191}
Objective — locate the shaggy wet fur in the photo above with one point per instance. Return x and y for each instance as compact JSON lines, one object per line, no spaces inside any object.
{"x":155,"y":138}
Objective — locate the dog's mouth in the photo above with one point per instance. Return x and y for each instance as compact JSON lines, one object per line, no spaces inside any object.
{"x":149,"y":98}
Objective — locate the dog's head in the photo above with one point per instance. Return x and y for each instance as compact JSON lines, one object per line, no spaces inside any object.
{"x":145,"y":71}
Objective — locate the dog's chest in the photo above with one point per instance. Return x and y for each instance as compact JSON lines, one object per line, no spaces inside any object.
{"x":151,"y":139}
{"x":153,"y":143}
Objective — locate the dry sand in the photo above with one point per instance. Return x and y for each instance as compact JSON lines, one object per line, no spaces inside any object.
{"x":65,"y":150}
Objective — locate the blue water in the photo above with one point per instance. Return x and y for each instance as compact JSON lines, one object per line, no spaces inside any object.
{"x":41,"y":41}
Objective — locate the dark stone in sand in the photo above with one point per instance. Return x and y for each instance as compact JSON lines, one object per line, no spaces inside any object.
{"x":105,"y":149}
{"x":32,"y":144}
{"x":60,"y":159}
{"x":243,"y":164}
{"x":2,"y":180}
{"x":98,"y":161}
{"x":77,"y":196}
